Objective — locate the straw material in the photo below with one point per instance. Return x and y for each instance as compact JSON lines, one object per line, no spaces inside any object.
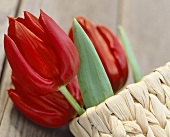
{"x":140,"y":110}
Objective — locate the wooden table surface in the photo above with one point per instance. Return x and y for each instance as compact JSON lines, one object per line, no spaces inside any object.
{"x":146,"y":22}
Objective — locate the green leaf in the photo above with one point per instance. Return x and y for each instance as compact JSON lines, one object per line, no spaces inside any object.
{"x":94,"y":83}
{"x":137,"y":73}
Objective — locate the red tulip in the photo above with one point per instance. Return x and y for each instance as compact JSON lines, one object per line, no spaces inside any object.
{"x":50,"y":110}
{"x":42,"y":58}
{"x":41,"y":55}
{"x":109,"y":50}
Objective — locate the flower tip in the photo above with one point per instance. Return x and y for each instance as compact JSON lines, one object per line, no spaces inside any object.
{"x":6,"y":40}
{"x":26,"y":14}
{"x":10,"y":19}
{"x":43,"y":15}
{"x":80,"y":17}
{"x":12,"y":94}
{"x":6,"y":37}
{"x":82,"y":20}
{"x":42,"y":12}
{"x":9,"y":91}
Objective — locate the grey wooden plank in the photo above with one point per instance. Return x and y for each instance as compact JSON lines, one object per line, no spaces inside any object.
{"x":15,"y":124}
{"x":3,"y":90}
{"x":147,"y":23}
{"x":62,"y":11}
{"x":7,"y":8}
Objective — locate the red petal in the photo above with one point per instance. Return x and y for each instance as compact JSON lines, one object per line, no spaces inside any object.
{"x":32,"y":23}
{"x":42,"y":115}
{"x":10,"y":19}
{"x":24,"y":73}
{"x":38,"y":55}
{"x":53,"y":108}
{"x":65,"y":50}
{"x":117,"y":51}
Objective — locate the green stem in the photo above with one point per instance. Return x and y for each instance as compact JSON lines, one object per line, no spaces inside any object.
{"x":137,"y":74}
{"x":71,"y":100}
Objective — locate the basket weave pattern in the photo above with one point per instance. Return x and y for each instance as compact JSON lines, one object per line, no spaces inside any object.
{"x":140,"y":110}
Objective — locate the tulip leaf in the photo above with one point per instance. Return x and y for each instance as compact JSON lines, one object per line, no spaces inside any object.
{"x":136,"y":71}
{"x":94,"y":83}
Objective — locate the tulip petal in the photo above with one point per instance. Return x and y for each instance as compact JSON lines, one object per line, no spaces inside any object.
{"x":36,"y":53}
{"x":24,"y":73}
{"x":48,"y":118}
{"x":11,"y":19}
{"x":32,"y":23}
{"x":72,"y":87}
{"x":41,"y":102}
{"x":65,"y":50}
{"x":117,"y":52}
{"x":53,"y":108}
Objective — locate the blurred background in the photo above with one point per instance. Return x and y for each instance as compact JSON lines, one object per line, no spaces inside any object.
{"x":146,"y":22}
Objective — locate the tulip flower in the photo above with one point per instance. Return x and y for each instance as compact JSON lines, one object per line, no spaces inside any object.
{"x":43,"y":60}
{"x":109,"y":50}
{"x":40,"y":49}
{"x":50,"y":110}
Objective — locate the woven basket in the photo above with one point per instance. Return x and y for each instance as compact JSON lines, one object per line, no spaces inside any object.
{"x":140,"y":110}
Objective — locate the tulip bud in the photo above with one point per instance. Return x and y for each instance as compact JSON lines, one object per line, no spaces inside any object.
{"x":41,"y":55}
{"x":109,"y":50}
{"x":43,"y":59}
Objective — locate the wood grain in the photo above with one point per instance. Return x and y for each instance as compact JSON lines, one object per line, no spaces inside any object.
{"x":6,"y":84}
{"x":7,"y":8}
{"x":147,"y":23}
{"x":13,"y":123}
{"x":63,"y":11}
